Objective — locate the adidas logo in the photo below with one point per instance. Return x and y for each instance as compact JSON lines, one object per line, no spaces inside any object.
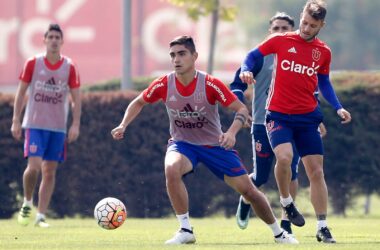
{"x":292,"y":50}
{"x":51,"y":81}
{"x":172,"y":99}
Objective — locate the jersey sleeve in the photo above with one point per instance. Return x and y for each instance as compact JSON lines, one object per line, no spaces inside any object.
{"x":269,"y":45}
{"x":156,"y":91}
{"x":74,"y":80}
{"x":218,"y":91}
{"x":27,"y":72}
{"x":325,"y":67}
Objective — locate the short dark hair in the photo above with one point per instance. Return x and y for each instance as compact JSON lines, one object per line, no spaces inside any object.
{"x":187,"y":41}
{"x":55,"y":27}
{"x":316,"y":9}
{"x":282,"y":16}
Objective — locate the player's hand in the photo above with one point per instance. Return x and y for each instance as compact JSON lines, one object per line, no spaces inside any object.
{"x":118,"y":132}
{"x":247,"y":77}
{"x":344,"y":114}
{"x":227,"y":140}
{"x":322,"y":129}
{"x":16,"y":129}
{"x":73,"y":133}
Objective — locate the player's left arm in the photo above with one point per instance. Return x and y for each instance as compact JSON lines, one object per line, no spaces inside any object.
{"x":328,"y":93}
{"x":76,"y":104}
{"x":220,"y":92}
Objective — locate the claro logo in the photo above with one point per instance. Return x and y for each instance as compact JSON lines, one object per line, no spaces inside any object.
{"x":299,"y":68}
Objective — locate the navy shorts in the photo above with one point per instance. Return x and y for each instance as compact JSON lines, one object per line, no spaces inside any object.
{"x":49,"y":145}
{"x":263,"y":156}
{"x":219,"y":160}
{"x":300,"y":128}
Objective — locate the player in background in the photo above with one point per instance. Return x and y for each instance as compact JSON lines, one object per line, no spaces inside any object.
{"x":262,"y":152}
{"x":50,"y":77}
{"x":302,"y":64}
{"x":191,"y":98}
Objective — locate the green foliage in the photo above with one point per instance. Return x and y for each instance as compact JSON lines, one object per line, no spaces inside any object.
{"x":198,"y":8}
{"x":132,"y":169}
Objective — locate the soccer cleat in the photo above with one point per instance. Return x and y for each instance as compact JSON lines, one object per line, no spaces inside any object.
{"x":293,"y":215}
{"x":41,"y":223}
{"x":183,"y":236}
{"x":287,"y":226}
{"x":24,"y":215}
{"x":325,"y":236}
{"x":242,"y":214}
{"x":285,"y":238}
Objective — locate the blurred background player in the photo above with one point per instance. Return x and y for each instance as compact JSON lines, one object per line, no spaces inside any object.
{"x":50,"y":77}
{"x":191,"y":98}
{"x":302,"y":65}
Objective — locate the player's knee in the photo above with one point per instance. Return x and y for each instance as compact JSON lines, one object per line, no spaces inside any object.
{"x":316,"y":175}
{"x":172,"y":172}
{"x":284,"y":158}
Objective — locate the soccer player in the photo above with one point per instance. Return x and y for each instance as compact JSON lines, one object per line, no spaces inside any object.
{"x":50,"y":77}
{"x":191,"y":98}
{"x":302,"y":62}
{"x":262,"y":152}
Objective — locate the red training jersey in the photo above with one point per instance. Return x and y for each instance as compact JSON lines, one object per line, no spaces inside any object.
{"x":296,"y":65}
{"x":215,"y":90}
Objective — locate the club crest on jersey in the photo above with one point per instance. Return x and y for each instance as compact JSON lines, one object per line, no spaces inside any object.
{"x":316,"y":54}
{"x":33,"y":148}
{"x":258,"y":146}
{"x":198,"y":98}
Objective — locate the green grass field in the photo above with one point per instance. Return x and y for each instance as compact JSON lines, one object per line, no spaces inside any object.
{"x":211,"y":233}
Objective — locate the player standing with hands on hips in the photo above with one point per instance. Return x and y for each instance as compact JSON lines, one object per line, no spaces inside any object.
{"x":302,"y":64}
{"x":191,"y":98}
{"x":50,"y":77}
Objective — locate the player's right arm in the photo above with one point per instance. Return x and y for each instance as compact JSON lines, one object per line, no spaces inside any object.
{"x":156,"y":91}
{"x":17,"y":108}
{"x":133,"y":109}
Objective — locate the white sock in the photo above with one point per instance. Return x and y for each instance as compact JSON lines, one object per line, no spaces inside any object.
{"x":321,"y":223}
{"x":184,"y":221}
{"x":28,"y":203}
{"x":40,"y":216}
{"x":276,"y":229}
{"x":286,"y":201}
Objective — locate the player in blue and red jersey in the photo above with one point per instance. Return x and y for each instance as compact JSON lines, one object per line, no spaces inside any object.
{"x":302,"y":63}
{"x":191,"y":98}
{"x":50,"y":78}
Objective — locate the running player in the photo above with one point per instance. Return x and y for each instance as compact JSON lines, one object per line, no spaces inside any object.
{"x":302,"y":63}
{"x":191,"y":98}
{"x":50,"y":77}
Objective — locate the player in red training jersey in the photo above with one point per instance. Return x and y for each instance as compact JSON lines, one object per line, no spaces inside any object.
{"x":191,"y":98}
{"x":302,"y":63}
{"x":50,"y":78}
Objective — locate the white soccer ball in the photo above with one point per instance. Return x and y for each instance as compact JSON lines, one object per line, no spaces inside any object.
{"x":110,"y":213}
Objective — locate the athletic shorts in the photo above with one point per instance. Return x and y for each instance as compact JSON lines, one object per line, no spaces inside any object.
{"x":263,"y":156}
{"x":49,"y":145}
{"x":219,"y":160}
{"x":300,"y":128}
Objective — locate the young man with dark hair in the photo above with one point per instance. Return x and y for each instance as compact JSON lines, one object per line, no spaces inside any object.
{"x":191,"y":98}
{"x":50,"y":77}
{"x":302,"y":65}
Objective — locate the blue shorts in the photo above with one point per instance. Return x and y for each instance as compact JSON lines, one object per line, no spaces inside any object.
{"x":300,"y":128}
{"x":49,"y":145}
{"x":219,"y":160}
{"x":263,"y":156}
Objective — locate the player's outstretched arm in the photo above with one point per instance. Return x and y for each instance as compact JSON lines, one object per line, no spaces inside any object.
{"x":248,"y":64}
{"x":228,"y":139}
{"x":133,"y":109}
{"x":17,"y":108}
